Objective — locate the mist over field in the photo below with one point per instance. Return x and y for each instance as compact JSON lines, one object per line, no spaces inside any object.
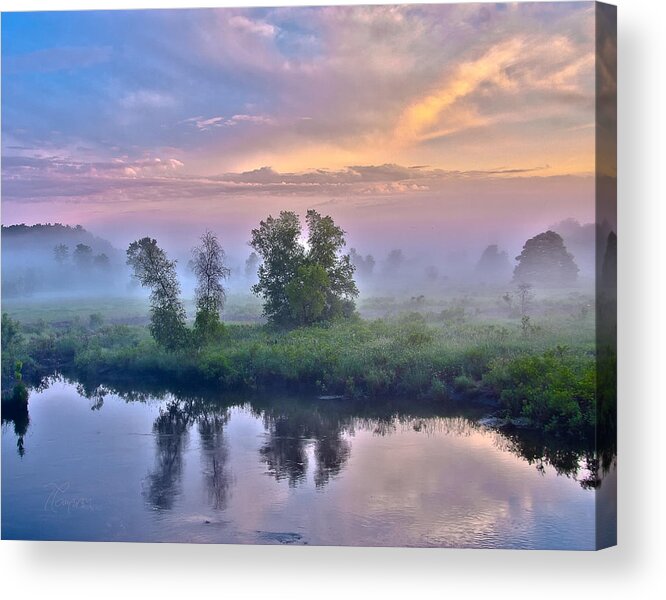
{"x":69,"y":261}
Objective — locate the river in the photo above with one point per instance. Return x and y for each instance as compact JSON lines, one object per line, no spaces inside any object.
{"x":284,"y":469}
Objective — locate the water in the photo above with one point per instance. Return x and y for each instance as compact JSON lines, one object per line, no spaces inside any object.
{"x":283,"y":470}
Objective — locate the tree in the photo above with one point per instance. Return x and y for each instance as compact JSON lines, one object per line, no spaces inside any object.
{"x":493,"y":266}
{"x":82,"y":256}
{"x":303,"y":284}
{"x":61,"y":253}
{"x":101,"y":261}
{"x":580,"y":239}
{"x":307,"y":293}
{"x":154,"y":270}
{"x":525,"y":297}
{"x":251,"y":265}
{"x":545,"y":260}
{"x":364,"y":265}
{"x":431,"y":273}
{"x":11,"y":334}
{"x":208,"y":266}
{"x":277,"y":243}
{"x":325,"y":242}
{"x":394,"y":260}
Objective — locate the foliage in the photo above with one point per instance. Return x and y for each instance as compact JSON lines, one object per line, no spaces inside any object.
{"x":306,"y":293}
{"x":13,"y":359}
{"x":251,"y":265}
{"x":394,"y":260}
{"x":276,"y":241}
{"x":82,"y":255}
{"x":555,"y":390}
{"x":303,"y":284}
{"x":364,"y":265}
{"x":101,"y":261}
{"x":95,"y":320}
{"x":525,"y":297}
{"x":544,"y":260}
{"x":154,"y":270}
{"x":493,"y":266}
{"x":61,"y":253}
{"x":11,"y":335}
{"x":208,"y":266}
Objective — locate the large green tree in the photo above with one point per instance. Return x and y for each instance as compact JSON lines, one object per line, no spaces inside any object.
{"x":301,"y":282}
{"x":545,"y":261}
{"x":276,"y":240}
{"x":154,"y":270}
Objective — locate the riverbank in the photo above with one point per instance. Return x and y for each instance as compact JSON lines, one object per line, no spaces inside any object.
{"x":544,"y":373}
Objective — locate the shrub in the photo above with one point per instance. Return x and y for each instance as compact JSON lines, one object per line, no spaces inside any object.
{"x":463,"y":383}
{"x":554,"y":390}
{"x":438,"y":389}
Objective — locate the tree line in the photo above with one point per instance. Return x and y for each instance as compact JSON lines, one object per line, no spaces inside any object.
{"x":83,"y":257}
{"x":301,"y":282}
{"x":303,"y":277}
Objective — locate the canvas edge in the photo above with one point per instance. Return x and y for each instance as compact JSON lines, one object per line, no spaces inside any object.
{"x":606,"y":273}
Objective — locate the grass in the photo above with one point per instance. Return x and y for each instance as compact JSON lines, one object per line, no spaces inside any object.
{"x":128,"y":310}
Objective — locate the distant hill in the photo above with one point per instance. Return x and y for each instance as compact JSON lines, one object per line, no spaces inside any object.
{"x":31,"y":265}
{"x":44,"y":237}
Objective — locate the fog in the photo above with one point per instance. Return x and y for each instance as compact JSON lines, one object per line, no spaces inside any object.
{"x":64,"y":261}
{"x":60,"y":260}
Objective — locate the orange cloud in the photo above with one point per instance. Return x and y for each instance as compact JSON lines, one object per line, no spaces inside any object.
{"x":418,"y":119}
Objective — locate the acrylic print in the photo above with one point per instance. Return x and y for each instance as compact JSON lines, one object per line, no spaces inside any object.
{"x":310,"y":275}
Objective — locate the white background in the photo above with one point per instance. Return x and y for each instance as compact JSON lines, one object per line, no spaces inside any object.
{"x":635,"y":569}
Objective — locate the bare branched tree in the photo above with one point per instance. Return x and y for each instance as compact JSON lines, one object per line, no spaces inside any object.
{"x":208,"y":266}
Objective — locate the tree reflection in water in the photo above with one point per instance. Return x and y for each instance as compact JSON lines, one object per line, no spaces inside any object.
{"x":302,"y":430}
{"x":576,"y":459}
{"x":171,"y":431}
{"x":17,"y":413}
{"x":290,"y":434}
{"x":215,"y":453}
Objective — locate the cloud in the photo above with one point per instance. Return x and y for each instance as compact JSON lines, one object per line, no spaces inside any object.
{"x":421,"y":118}
{"x":445,"y":84}
{"x":32,"y":177}
{"x":26,"y":179}
{"x":204,"y":124}
{"x":384,"y":175}
{"x":245,"y":25}
{"x":299,"y":88}
{"x":141,"y":99}
{"x":521,"y":79}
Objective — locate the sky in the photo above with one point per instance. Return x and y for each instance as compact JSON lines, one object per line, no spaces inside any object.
{"x":414,"y":124}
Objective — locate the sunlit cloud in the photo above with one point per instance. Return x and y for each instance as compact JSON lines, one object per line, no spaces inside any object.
{"x":205,"y":124}
{"x":418,"y":120}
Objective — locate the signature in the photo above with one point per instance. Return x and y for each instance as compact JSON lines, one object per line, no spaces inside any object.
{"x":58,"y":499}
